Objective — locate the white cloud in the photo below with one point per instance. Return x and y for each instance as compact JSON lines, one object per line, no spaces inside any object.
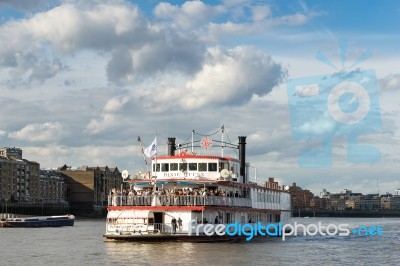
{"x":261,"y":12}
{"x":98,"y":125}
{"x":169,"y":53}
{"x":53,"y":156}
{"x":2,"y":133}
{"x":390,"y":83}
{"x":291,"y":20}
{"x":66,"y":29}
{"x":69,"y":28}
{"x":262,"y":21}
{"x":46,"y":132}
{"x":320,"y":127}
{"x":46,"y":69}
{"x":227,"y":77}
{"x":232,"y":77}
{"x":116,"y":103}
{"x":190,"y":15}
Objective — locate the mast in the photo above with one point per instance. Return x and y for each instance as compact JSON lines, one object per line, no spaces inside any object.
{"x":155,"y":200}
{"x":192,"y":139}
{"x":155,"y":162}
{"x":144,"y":156}
{"x":222,"y":140}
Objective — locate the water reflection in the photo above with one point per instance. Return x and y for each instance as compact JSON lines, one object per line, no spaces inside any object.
{"x":83,"y":244}
{"x":301,"y":250}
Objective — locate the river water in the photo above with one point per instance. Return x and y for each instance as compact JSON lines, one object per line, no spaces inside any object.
{"x":83,"y":244}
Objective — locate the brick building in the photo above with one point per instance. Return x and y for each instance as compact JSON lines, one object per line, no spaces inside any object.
{"x":53,"y":188}
{"x":19,"y":178}
{"x":88,"y":187}
{"x":301,"y":199}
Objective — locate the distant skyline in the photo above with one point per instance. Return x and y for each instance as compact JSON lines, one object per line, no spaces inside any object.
{"x":80,"y":80}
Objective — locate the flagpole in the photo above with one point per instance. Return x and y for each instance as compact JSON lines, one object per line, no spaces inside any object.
{"x":155,"y":167}
{"x":144,"y":156}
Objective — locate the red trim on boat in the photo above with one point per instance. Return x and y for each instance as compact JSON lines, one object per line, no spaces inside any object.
{"x":190,"y":208}
{"x":156,"y":208}
{"x":191,"y":156}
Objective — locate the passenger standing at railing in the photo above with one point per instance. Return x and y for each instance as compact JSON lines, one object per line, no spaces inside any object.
{"x":110,"y":198}
{"x":180,"y":224}
{"x":124,"y":195}
{"x":130,"y":197}
{"x":176,"y":198}
{"x":203,"y":198}
{"x":119,"y":195}
{"x":114,"y":197}
{"x":173,"y":223}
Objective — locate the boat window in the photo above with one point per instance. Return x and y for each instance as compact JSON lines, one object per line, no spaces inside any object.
{"x":164,"y":167}
{"x":192,"y":166}
{"x":183,"y":166}
{"x":158,"y":167}
{"x":212,"y":167}
{"x":223,"y":165}
{"x":202,"y":167}
{"x":173,"y":166}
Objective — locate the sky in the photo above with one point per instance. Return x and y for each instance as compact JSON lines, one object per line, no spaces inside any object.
{"x":80,"y":80}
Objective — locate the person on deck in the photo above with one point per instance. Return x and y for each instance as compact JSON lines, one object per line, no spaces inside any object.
{"x":180,"y":224}
{"x":173,"y":223}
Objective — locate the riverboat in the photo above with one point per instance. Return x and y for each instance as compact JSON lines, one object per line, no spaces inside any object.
{"x":187,"y":195}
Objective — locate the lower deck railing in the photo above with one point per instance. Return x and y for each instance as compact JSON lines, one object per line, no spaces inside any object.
{"x":172,"y":200}
{"x":149,"y":229}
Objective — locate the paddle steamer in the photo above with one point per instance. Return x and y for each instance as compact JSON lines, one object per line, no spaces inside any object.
{"x":185,"y":189}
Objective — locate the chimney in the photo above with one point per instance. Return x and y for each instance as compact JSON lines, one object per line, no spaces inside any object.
{"x":242,"y":157}
{"x":171,"y":146}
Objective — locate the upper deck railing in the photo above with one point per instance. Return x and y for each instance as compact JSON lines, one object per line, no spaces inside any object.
{"x":173,"y":200}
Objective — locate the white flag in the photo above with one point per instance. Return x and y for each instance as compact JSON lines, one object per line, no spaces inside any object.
{"x":152,"y":149}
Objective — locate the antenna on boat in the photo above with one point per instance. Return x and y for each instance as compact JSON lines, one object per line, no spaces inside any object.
{"x":222,"y":140}
{"x":192,"y":140}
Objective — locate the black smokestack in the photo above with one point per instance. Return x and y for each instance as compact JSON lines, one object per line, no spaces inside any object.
{"x":171,"y":146}
{"x":242,"y":157}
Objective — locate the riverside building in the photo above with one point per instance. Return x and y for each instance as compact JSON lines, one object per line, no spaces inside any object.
{"x":19,"y":178}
